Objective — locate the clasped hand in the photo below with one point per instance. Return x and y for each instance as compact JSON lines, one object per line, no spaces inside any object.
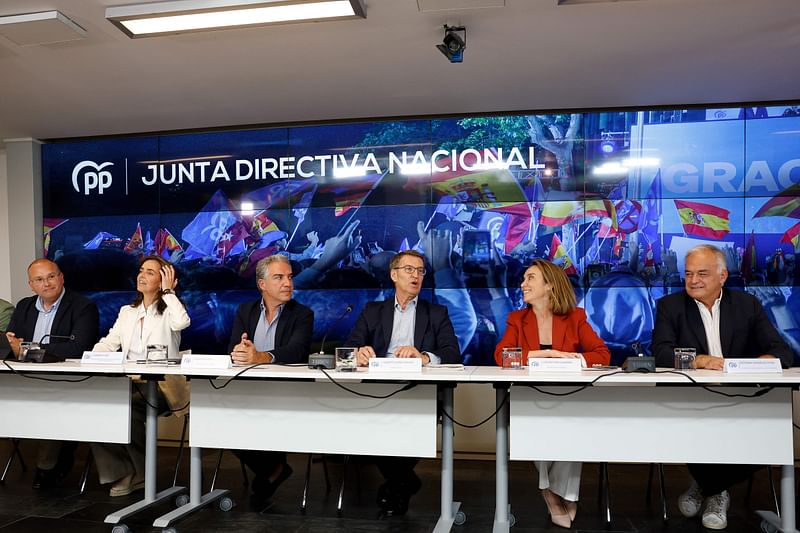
{"x":365,"y":353}
{"x":245,"y":353}
{"x":553,"y":354}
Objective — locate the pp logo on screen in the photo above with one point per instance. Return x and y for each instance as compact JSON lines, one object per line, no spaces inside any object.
{"x":94,"y":177}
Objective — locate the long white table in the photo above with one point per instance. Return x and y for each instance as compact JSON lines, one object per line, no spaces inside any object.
{"x":634,"y":415}
{"x":65,"y":407}
{"x":297,"y":409}
{"x":661,"y":417}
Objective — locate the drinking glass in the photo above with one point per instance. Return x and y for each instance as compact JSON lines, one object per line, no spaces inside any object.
{"x":684,"y":358}
{"x":346,"y":359}
{"x":512,"y":358}
{"x":25,"y":346}
{"x":156,"y":353}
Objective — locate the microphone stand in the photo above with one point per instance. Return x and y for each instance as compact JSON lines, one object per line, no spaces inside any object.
{"x":321,"y":359}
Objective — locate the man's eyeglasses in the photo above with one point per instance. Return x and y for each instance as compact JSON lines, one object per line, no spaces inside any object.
{"x":408,"y":269}
{"x":50,"y":278}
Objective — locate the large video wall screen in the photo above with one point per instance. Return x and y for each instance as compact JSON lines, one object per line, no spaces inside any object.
{"x":616,"y":198}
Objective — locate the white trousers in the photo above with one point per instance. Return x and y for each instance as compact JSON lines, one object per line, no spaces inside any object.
{"x":561,"y":477}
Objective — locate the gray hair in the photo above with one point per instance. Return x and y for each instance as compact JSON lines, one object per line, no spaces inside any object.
{"x":722,"y":260}
{"x":262,"y":267}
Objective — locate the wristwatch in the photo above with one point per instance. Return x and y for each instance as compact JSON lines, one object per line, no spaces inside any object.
{"x":167,"y":291}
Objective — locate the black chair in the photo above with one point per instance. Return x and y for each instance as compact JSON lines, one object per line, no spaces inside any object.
{"x":14,"y":453}
{"x":663,"y":492}
{"x":324,"y":461}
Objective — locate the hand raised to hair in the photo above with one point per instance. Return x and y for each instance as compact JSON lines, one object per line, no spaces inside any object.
{"x":168,"y":279}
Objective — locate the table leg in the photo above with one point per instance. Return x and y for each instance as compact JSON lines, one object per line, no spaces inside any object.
{"x":786,"y":521}
{"x":449,"y":509}
{"x":150,"y":463}
{"x":502,"y":508}
{"x":787,"y":498}
{"x":197,"y":500}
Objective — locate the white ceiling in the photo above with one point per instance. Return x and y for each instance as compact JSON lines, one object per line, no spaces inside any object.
{"x":528,"y":55}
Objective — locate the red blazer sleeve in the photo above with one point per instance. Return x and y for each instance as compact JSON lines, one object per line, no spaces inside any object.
{"x":513,"y":337}
{"x":580,"y":337}
{"x":571,"y":333}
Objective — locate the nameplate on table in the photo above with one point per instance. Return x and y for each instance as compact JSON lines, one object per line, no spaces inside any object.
{"x":201,"y":360}
{"x":396,"y":365}
{"x":102,"y":358}
{"x":753,"y":366}
{"x":553,"y":364}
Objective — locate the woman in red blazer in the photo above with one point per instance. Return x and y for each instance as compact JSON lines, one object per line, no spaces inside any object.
{"x":552,"y":325}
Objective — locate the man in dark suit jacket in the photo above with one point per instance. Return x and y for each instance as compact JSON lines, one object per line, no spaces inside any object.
{"x":404,"y":326}
{"x":57,"y":312}
{"x":75,"y":315}
{"x":718,"y":323}
{"x":274,"y":329}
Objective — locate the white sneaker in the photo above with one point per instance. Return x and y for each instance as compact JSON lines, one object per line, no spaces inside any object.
{"x":691,"y":501}
{"x":716,"y":513}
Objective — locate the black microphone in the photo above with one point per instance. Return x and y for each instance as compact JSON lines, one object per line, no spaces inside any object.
{"x":66,"y":337}
{"x":640,"y":363}
{"x":335,"y":323}
{"x":321,"y":359}
{"x":40,"y":355}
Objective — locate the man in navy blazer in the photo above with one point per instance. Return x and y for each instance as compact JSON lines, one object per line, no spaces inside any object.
{"x":75,"y":315}
{"x":718,"y":323}
{"x":432,"y":337}
{"x":274,"y":329}
{"x":404,"y":326}
{"x":67,"y":324}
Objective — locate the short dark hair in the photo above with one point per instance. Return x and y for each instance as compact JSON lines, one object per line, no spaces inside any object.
{"x":405,"y":253}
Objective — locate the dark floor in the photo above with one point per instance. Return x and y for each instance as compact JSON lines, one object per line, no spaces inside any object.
{"x":64,"y":509}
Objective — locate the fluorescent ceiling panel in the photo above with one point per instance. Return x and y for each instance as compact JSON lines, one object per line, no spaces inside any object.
{"x":46,"y":27}
{"x":182,"y":16}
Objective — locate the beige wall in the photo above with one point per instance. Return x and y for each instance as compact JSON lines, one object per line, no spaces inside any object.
{"x":23,"y":238}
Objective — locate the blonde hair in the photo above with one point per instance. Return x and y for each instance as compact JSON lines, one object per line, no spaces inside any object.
{"x":562,"y":296}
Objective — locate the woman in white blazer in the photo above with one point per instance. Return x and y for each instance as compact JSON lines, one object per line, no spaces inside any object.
{"x":156,"y":316}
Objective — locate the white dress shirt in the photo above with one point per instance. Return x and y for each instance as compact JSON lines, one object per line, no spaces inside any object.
{"x":711,"y":326}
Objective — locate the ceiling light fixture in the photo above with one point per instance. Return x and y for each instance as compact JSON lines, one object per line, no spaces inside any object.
{"x":45,"y":27}
{"x":183,"y":16}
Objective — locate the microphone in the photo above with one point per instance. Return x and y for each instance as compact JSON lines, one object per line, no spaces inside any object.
{"x":321,"y":359}
{"x":66,"y":337}
{"x":335,"y":323}
{"x":640,"y":363}
{"x":39,"y":354}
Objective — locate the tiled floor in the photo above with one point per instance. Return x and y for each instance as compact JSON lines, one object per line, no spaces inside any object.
{"x":24,"y":510}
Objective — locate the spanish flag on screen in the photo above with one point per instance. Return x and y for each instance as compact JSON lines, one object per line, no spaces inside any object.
{"x":792,"y":236}
{"x":704,"y":220}
{"x":559,"y":256}
{"x":784,"y":204}
{"x":555,"y":214}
